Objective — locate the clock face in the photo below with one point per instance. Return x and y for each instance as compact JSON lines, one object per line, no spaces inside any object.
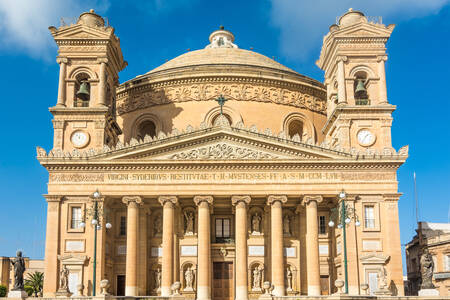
{"x":366,"y":138}
{"x":79,"y":139}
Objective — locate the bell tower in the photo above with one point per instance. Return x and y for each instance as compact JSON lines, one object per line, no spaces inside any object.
{"x":90,"y":59}
{"x":353,"y":56}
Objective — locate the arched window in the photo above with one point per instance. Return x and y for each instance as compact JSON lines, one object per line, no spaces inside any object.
{"x":82,"y":91}
{"x":360,"y":90}
{"x":146,"y":127}
{"x":295,"y":127}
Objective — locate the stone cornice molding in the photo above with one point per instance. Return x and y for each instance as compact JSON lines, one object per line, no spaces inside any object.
{"x":53,"y":198}
{"x":200,"y":198}
{"x":132,"y":199}
{"x":102,"y":60}
{"x":308,"y":198}
{"x":168,"y":198}
{"x":240,"y":198}
{"x":271,"y":199}
{"x":392,"y":197}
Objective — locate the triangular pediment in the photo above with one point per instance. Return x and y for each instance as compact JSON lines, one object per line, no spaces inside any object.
{"x":366,"y":30}
{"x":80,"y":31}
{"x":223,"y":144}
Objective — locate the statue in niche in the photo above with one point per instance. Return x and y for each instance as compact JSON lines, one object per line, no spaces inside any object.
{"x":288,"y":279}
{"x":189,"y":218}
{"x":189,"y":278}
{"x":257,"y":276}
{"x":158,"y":225}
{"x":19,"y":268}
{"x":426,"y":269}
{"x":157,"y":279}
{"x":256,"y":223}
{"x":287,"y":225}
{"x":64,"y":279}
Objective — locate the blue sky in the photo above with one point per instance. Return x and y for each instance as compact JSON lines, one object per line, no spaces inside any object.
{"x":153,"y":31}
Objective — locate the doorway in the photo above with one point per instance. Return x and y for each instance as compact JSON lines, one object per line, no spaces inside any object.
{"x":120,"y":285}
{"x":223,"y":281}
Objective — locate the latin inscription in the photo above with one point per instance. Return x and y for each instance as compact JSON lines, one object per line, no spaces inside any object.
{"x":222,"y":177}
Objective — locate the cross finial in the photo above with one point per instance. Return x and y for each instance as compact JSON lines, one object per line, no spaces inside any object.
{"x":221,"y":100}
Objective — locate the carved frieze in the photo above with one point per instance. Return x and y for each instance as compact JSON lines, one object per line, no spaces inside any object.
{"x":209,"y":91}
{"x":222,"y":151}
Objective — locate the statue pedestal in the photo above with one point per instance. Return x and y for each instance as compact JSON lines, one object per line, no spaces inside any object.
{"x":429,"y":292}
{"x":17,"y":294}
{"x":383,"y":292}
{"x":63,"y":293}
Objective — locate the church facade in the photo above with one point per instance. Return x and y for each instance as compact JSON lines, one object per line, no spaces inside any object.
{"x":223,"y":172}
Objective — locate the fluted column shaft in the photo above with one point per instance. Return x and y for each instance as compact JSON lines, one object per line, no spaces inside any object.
{"x":241,"y":203}
{"x":131,"y":284}
{"x":312,"y":245}
{"x":276,"y":237}
{"x":62,"y":81}
{"x":204,"y":247}
{"x":168,"y":203}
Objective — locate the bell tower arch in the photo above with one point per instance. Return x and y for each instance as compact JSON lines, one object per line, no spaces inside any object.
{"x":90,"y":59}
{"x":353,"y":56}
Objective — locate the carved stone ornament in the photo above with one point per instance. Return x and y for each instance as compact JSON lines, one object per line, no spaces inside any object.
{"x":222,"y":151}
{"x":238,"y":198}
{"x":308,"y":198}
{"x":199,"y":199}
{"x":132,"y":200}
{"x":164,"y":199}
{"x":271,"y":199}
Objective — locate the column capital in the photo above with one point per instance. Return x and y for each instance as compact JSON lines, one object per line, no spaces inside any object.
{"x":102,"y":60}
{"x":167,"y":198}
{"x":199,"y":199}
{"x":132,"y":199}
{"x":271,"y":199}
{"x":53,"y":198}
{"x":308,"y":198}
{"x":240,"y":198}
{"x":62,"y":60}
{"x":382,"y":58}
{"x":340,"y":58}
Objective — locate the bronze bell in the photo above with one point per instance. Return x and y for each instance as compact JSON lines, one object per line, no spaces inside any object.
{"x":83,"y":91}
{"x":360,"y":91}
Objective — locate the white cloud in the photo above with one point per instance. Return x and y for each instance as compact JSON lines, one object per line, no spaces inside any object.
{"x":24,"y":23}
{"x":303,"y":23}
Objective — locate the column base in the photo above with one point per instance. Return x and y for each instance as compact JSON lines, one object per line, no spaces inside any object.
{"x":241,"y":293}
{"x":313,"y":290}
{"x":203,"y":293}
{"x":131,"y":291}
{"x":278,"y":291}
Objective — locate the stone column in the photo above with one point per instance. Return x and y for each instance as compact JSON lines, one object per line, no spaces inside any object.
{"x":382,"y":83}
{"x":204,"y":247}
{"x":102,"y":82}
{"x":131,"y":284}
{"x":241,"y":203}
{"x":168,"y":203}
{"x":276,"y":238}
{"x":312,"y":244}
{"x":52,"y":242}
{"x":342,"y":97}
{"x":62,"y":61}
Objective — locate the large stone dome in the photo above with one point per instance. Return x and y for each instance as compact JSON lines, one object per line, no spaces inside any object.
{"x":221,"y":56}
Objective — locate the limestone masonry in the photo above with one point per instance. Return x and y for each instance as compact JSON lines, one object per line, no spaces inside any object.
{"x":223,"y":204}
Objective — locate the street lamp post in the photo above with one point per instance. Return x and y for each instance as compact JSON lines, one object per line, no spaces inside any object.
{"x":96,"y":213}
{"x":343,"y":215}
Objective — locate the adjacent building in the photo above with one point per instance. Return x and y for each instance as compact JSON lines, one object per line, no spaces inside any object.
{"x":436,"y":238}
{"x":222,"y":169}
{"x":7,"y":269}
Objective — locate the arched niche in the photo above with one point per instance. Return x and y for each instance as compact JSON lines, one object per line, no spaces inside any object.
{"x":233,"y":116}
{"x":156,"y":221}
{"x":255,"y":216}
{"x":290,"y":277}
{"x":188,"y":268}
{"x":288,"y":222}
{"x":155,"y":278}
{"x":307,"y":129}
{"x":256,"y":276}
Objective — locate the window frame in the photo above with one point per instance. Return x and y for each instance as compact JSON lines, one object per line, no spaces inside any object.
{"x":376,"y":216}
{"x":222,"y":239}
{"x":70,"y":206}
{"x":324,"y":225}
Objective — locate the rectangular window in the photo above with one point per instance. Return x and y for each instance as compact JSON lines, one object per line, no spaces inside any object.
{"x":123,"y":225}
{"x":369,"y":216}
{"x":447,"y":263}
{"x":76,"y":217}
{"x":322,"y":225}
{"x":223,"y":229}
